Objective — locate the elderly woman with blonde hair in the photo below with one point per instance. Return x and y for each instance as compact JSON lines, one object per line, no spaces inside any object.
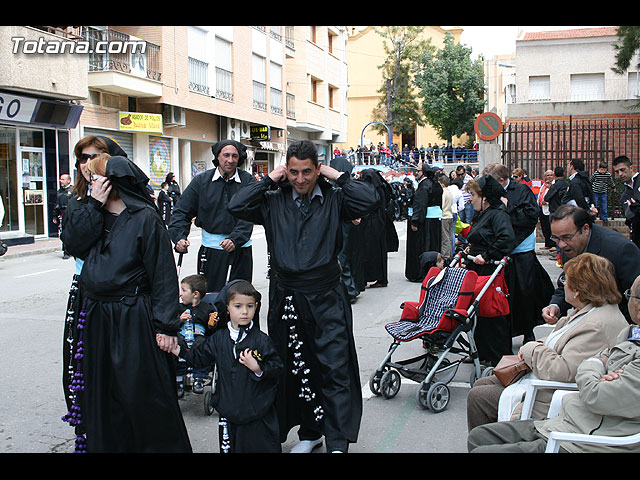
{"x":590,"y":326}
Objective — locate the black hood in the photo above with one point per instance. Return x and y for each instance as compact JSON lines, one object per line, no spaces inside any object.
{"x":217,"y":147}
{"x":130,"y":182}
{"x":341,"y":164}
{"x":221,"y":303}
{"x":491,"y":189}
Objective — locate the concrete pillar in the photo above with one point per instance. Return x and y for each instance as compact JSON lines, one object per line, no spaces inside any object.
{"x":488,"y":152}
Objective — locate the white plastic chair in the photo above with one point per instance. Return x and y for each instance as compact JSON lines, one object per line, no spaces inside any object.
{"x":535,"y":385}
{"x":553,"y":443}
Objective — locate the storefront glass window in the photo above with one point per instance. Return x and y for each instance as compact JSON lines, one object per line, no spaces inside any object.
{"x":8,"y":180}
{"x":31,"y":138}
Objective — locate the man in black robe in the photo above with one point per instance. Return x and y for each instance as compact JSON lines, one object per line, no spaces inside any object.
{"x":530,"y":287}
{"x":310,"y":318}
{"x":226,"y":240}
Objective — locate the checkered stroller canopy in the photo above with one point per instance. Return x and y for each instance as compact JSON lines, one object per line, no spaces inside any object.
{"x":443,"y":292}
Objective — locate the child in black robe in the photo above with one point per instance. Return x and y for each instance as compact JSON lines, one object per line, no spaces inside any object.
{"x":248,"y":369}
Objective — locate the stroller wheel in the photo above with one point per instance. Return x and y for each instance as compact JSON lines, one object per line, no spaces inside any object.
{"x":208,"y":408}
{"x":390,"y":384}
{"x":374,"y":382}
{"x":434,"y":397}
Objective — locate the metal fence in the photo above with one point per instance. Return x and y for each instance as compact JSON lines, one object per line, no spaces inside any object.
{"x":544,"y":145}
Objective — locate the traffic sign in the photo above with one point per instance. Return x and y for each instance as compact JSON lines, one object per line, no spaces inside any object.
{"x":488,"y":126}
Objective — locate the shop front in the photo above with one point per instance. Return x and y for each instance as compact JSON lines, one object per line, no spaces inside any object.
{"x":34,"y":152}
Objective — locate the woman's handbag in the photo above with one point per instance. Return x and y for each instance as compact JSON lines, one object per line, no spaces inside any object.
{"x":510,"y":369}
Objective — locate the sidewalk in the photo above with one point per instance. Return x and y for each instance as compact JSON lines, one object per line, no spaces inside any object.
{"x":44,"y":245}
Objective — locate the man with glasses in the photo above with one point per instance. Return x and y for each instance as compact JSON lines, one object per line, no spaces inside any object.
{"x":574,"y":232}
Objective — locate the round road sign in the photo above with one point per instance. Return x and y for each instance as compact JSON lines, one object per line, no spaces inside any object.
{"x":488,"y":126}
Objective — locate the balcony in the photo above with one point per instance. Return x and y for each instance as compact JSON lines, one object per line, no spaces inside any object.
{"x":122,"y":64}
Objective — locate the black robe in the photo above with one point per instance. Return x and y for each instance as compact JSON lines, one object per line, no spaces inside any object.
{"x":305,"y":277}
{"x":244,"y":401}
{"x":428,"y":237}
{"x":530,"y":287}
{"x":129,"y":292}
{"x":491,"y":235}
{"x":164,"y":205}
{"x":206,"y":201}
{"x":375,"y":225}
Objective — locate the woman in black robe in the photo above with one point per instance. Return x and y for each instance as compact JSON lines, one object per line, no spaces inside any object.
{"x":82,"y":226}
{"x":129,"y":293}
{"x":490,"y":237}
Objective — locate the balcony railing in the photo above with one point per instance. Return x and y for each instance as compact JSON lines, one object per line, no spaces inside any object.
{"x":198,"y":78}
{"x":224,"y":84}
{"x":276,"y":101}
{"x":291,"y":106}
{"x":259,"y":96}
{"x":113,"y":50}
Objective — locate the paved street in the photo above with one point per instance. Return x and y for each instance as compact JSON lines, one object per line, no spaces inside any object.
{"x":33,"y":295}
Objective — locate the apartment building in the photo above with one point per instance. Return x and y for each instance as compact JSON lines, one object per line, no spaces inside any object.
{"x":166,"y":94}
{"x":39,"y":93}
{"x":569,"y":102}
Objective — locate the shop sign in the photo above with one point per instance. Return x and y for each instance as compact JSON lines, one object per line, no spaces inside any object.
{"x":140,"y":122}
{"x":260,"y":133}
{"x":16,"y":109}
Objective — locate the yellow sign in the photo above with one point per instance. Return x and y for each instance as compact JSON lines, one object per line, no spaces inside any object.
{"x":140,"y":122}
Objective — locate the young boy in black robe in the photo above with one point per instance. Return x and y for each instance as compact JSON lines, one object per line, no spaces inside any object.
{"x":198,"y":319}
{"x":248,"y":368}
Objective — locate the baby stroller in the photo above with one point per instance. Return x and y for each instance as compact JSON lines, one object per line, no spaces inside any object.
{"x":450,"y":301}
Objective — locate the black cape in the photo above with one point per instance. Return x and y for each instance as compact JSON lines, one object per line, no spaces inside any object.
{"x":377,"y":230}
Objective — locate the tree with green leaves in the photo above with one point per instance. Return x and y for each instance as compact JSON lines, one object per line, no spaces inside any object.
{"x":451,"y":87}
{"x":397,"y":107}
{"x":628,"y":46}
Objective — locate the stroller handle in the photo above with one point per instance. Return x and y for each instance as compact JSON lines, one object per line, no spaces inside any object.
{"x":458,"y":257}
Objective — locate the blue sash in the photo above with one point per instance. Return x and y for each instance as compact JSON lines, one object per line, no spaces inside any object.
{"x":527,"y":244}
{"x":434,"y":212}
{"x":212,"y":240}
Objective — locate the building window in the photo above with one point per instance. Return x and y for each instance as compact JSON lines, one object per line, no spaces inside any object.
{"x":332,"y":94}
{"x":633,"y":85}
{"x":314,"y":90}
{"x":539,"y":89}
{"x":224,"y":69}
{"x":259,"y":83}
{"x":314,"y":33}
{"x":587,"y":86}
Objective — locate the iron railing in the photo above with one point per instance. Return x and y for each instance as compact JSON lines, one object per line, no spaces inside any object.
{"x":544,"y":145}
{"x":113,"y":50}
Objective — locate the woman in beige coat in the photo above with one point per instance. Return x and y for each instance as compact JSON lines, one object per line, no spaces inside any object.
{"x":592,"y":325}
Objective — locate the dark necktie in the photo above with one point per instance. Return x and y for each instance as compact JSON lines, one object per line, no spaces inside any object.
{"x":305,"y":204}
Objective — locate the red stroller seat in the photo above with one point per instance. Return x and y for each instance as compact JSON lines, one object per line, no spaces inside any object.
{"x":441,"y":291}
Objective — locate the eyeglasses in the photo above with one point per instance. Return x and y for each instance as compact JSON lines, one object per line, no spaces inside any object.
{"x":565,"y":238}
{"x":627,"y":294}
{"x":85,"y":157}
